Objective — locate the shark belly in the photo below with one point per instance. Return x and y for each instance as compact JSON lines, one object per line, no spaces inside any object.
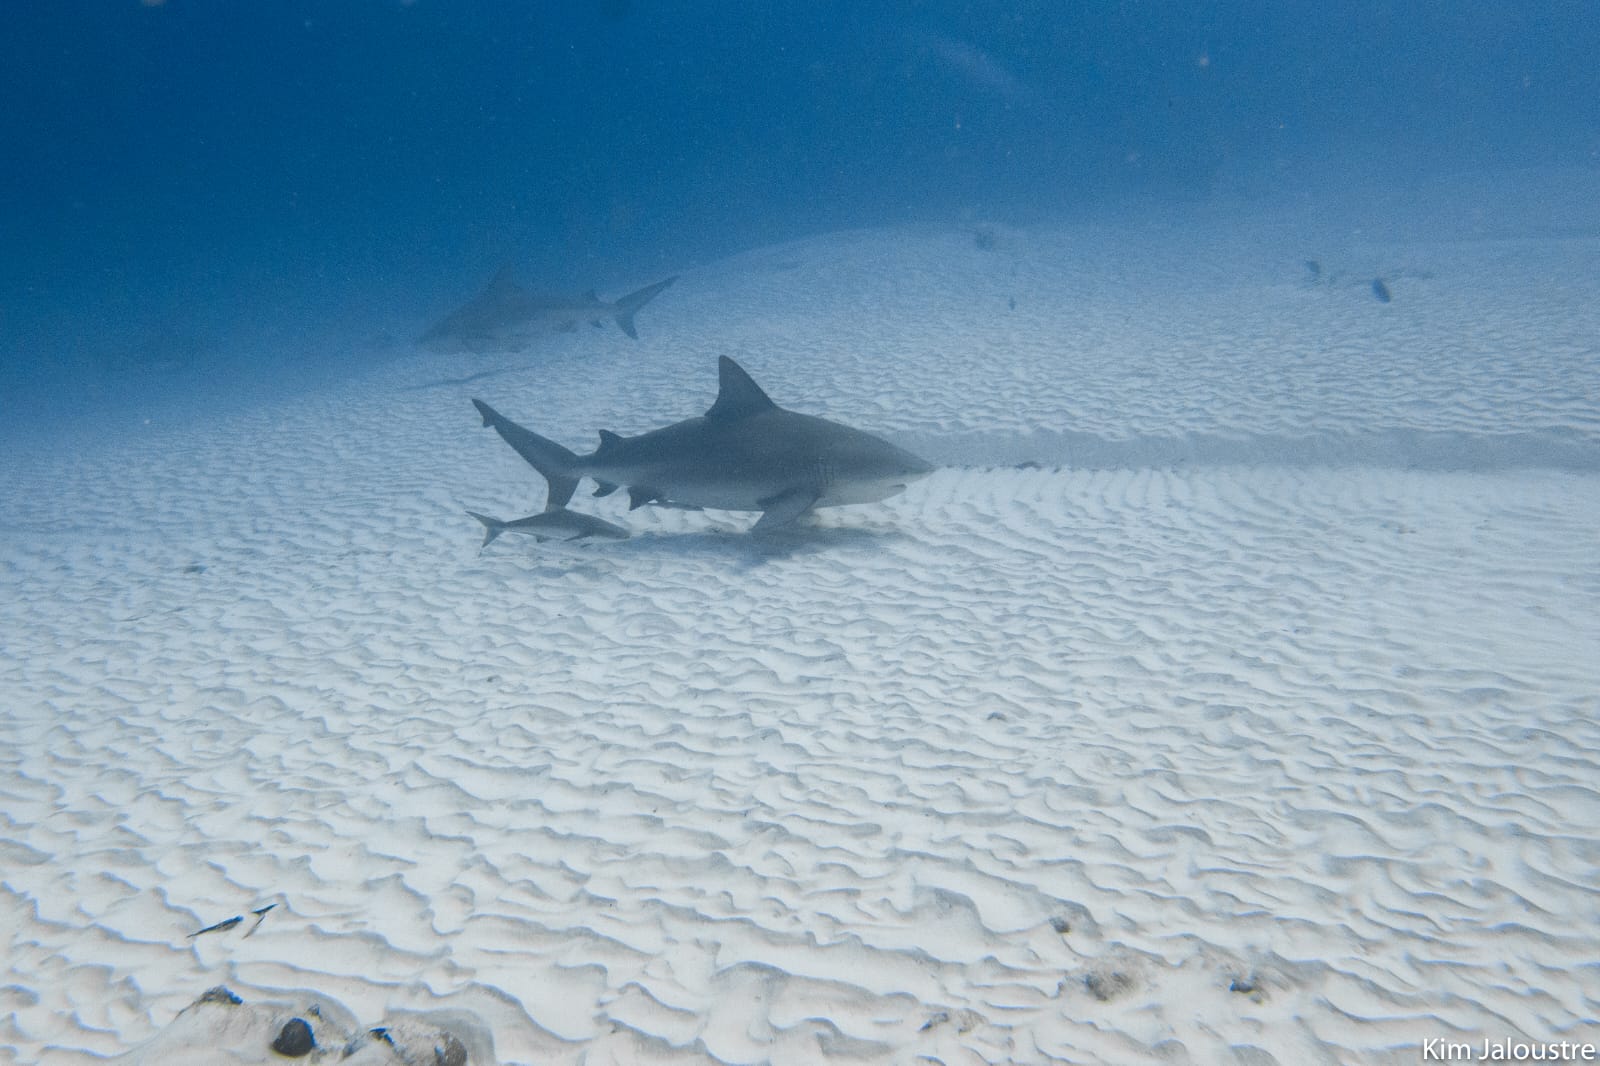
{"x":693,"y":488}
{"x":717,"y":483}
{"x":715,"y":497}
{"x":840,"y":495}
{"x":746,"y":478}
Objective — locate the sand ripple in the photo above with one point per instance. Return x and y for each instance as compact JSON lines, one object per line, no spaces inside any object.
{"x":1286,"y":762}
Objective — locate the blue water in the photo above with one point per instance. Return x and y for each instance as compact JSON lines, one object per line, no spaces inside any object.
{"x":182,"y":182}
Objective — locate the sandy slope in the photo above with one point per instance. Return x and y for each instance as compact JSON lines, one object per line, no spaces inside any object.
{"x":1280,"y":673}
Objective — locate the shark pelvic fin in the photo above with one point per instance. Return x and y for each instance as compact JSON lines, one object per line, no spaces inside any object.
{"x":738,"y":395}
{"x":604,"y":488}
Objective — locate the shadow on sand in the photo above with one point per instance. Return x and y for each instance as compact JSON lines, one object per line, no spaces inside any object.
{"x":737,"y":547}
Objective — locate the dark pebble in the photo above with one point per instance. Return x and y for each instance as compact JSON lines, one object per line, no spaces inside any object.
{"x":1108,"y":985}
{"x":449,"y":1051}
{"x":220,"y":994}
{"x":294,"y":1039}
{"x":1242,"y":985}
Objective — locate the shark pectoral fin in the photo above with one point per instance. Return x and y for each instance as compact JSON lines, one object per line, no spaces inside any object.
{"x":604,"y":488}
{"x":783,"y":509}
{"x":638,"y":497}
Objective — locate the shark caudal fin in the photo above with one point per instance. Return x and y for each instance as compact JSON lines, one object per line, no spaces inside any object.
{"x":628,"y":306}
{"x":492,"y":527}
{"x":553,"y":461}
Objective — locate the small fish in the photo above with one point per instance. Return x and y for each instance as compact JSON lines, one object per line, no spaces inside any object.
{"x":1381,"y":291}
{"x":1314,"y":270}
{"x":261,"y":916}
{"x":219,"y":927}
{"x":552,"y":523}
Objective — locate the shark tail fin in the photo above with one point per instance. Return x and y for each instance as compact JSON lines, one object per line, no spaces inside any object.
{"x":492,"y":527}
{"x":555,"y":463}
{"x":628,"y":306}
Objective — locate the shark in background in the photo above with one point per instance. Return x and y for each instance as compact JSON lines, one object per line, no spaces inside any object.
{"x":506,"y":316}
{"x":744,"y":454}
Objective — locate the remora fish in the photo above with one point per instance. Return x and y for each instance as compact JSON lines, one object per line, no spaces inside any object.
{"x":552,"y":523}
{"x":745,"y":454}
{"x":505,"y":315}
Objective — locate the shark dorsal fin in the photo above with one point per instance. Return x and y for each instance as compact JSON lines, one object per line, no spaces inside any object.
{"x":504,"y":278}
{"x":608,"y":442}
{"x":503,"y":285}
{"x":738,"y":396}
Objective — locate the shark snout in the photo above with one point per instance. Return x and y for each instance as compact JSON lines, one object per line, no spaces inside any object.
{"x":903,"y":470}
{"x":913,"y":467}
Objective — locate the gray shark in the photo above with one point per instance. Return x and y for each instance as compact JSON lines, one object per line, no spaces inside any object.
{"x":745,"y":454}
{"x":550,"y":524}
{"x":505,"y":316}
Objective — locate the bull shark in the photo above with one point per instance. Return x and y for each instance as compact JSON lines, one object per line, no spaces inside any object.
{"x":551,"y":523}
{"x":744,"y":454}
{"x":505,"y":315}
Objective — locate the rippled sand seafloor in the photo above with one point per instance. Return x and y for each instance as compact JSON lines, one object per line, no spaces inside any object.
{"x":1024,"y":765}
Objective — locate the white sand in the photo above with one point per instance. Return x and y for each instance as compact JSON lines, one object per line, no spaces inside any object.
{"x":1282,"y":670}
